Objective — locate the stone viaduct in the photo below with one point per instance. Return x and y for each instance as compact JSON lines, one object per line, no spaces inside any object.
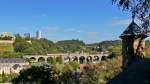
{"x":82,"y":58}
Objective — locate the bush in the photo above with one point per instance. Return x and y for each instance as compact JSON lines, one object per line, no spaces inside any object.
{"x":101,"y":73}
{"x":38,"y":74}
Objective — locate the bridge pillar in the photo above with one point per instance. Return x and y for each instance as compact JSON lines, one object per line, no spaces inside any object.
{"x":100,"y":58}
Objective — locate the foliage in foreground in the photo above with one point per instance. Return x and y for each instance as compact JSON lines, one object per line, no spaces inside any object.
{"x":101,"y":73}
{"x":48,"y":74}
{"x":39,"y":75}
{"x":68,"y":74}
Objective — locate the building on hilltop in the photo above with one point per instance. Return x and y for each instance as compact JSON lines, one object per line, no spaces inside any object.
{"x":133,"y":45}
{"x":27,"y":35}
{"x":5,"y":34}
{"x":6,"y":42}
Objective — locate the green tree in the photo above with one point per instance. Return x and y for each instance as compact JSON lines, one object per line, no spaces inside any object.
{"x":18,"y":38}
{"x":4,"y":77}
{"x":21,"y":46}
{"x":90,"y":75}
{"x":49,"y":75}
{"x":102,"y":72}
{"x":48,"y":45}
{"x":68,"y":75}
{"x":11,"y":55}
{"x":70,"y":46}
{"x":75,"y":65}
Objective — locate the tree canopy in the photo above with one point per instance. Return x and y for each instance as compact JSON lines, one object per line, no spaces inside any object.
{"x":139,"y":8}
{"x":70,"y":46}
{"x":44,"y":46}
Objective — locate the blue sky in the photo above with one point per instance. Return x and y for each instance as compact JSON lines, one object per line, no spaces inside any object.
{"x":88,"y":20}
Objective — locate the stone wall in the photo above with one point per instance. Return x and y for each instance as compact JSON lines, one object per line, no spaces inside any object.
{"x":139,"y":47}
{"x":6,"y":46}
{"x":132,"y":49}
{"x":127,"y":52}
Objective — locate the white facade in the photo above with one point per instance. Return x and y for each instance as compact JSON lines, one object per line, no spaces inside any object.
{"x":8,"y":68}
{"x":5,"y":34}
{"x":38,"y":35}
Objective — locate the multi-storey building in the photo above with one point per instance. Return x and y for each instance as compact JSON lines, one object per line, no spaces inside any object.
{"x":12,"y":65}
{"x":38,"y":35}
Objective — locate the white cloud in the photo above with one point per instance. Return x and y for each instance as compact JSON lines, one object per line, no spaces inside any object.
{"x":117,"y":22}
{"x":52,"y":29}
{"x":79,"y":31}
{"x":73,"y":30}
{"x":39,"y":15}
{"x":70,"y":30}
{"x":43,"y":15}
{"x":93,"y":33}
{"x":123,"y":22}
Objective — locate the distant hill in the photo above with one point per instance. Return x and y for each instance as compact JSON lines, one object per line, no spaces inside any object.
{"x":113,"y":46}
{"x":106,"y":43}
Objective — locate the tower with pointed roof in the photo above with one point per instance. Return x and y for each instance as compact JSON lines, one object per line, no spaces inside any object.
{"x":133,"y":45}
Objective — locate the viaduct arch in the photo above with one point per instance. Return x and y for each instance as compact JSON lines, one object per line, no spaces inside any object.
{"x":82,"y":58}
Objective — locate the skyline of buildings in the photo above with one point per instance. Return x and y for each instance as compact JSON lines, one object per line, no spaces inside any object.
{"x":27,"y":35}
{"x":37,"y":35}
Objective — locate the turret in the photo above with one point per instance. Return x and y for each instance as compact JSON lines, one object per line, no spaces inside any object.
{"x":133,"y":44}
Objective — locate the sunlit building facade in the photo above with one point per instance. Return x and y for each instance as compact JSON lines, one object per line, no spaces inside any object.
{"x":6,"y":42}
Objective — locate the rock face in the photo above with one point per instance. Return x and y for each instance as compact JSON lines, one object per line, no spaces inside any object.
{"x":133,"y":45}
